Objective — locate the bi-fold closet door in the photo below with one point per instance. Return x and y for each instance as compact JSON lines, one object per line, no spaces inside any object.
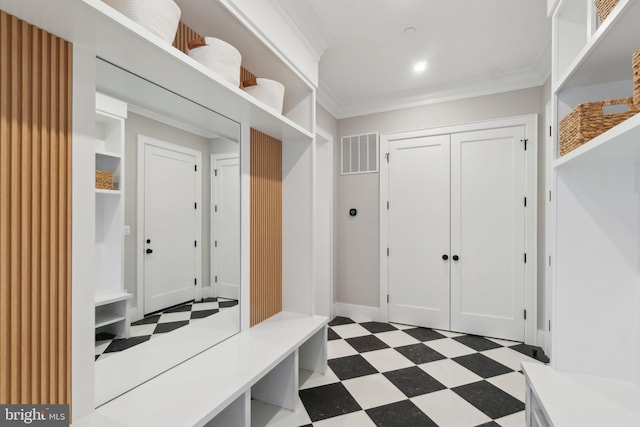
{"x":457,"y":232}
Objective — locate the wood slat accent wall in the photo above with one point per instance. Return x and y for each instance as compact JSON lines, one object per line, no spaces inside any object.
{"x":35,"y":214}
{"x":186,"y":34}
{"x":266,"y":226}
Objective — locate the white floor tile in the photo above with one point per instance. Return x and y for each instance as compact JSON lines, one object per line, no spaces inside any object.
{"x":373,"y":390}
{"x":350,"y":331}
{"x":401,"y":326}
{"x":450,"y":373}
{"x":396,"y":338}
{"x":513,"y":420}
{"x":310,"y":379}
{"x":339,"y":348}
{"x":387,"y":360}
{"x":505,"y":343}
{"x":175,"y":317}
{"x":141,"y":330}
{"x":264,"y":414}
{"x":449,"y":334}
{"x":354,"y":419}
{"x":512,"y":383}
{"x":205,"y":306}
{"x":447,"y":409}
{"x":449,"y":347}
{"x":510,"y":358}
{"x":101,"y":346}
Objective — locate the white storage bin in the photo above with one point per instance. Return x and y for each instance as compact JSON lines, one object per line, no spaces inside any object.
{"x":161,"y":17}
{"x":219,"y":56}
{"x":268,"y":91}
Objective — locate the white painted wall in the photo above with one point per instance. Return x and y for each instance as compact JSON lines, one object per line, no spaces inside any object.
{"x":356,"y":239}
{"x":137,"y":124}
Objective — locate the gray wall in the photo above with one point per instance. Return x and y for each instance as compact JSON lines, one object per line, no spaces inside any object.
{"x":134,"y":126}
{"x":357,"y":238}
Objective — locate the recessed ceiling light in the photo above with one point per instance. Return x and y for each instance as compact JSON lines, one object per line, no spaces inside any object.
{"x":420,"y":66}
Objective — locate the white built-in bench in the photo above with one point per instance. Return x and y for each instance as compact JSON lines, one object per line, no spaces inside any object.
{"x":216,"y":387}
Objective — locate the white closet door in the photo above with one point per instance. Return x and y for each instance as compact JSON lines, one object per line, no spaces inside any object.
{"x":487,"y":232}
{"x":419,"y":231}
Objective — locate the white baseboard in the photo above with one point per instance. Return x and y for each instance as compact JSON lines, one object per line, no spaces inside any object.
{"x":227,"y":291}
{"x":207,"y":291}
{"x":542,"y":340}
{"x":356,"y":312}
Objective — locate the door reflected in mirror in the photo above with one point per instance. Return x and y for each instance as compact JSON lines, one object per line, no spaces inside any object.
{"x":179,"y":185}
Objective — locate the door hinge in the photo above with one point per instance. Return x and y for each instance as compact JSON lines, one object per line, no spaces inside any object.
{"x":215,"y":208}
{"x":549,"y":130}
{"x":387,"y":157}
{"x":195,"y":282}
{"x":387,"y":298}
{"x":525,"y":314}
{"x":215,"y":279}
{"x":549,"y":260}
{"x":215,"y":244}
{"x":387,"y":251}
{"x":549,"y":195}
{"x":549,"y":325}
{"x":195,"y":243}
{"x":387,"y":205}
{"x":525,"y":143}
{"x":195,"y":206}
{"x":525,"y":202}
{"x":525,"y":258}
{"x":195,"y":168}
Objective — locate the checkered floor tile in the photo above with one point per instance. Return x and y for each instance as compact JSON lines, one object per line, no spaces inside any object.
{"x":160,"y":323}
{"x":383,"y":374}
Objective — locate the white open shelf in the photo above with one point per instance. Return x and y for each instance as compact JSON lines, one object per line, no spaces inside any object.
{"x":109,"y":192}
{"x":106,"y":319}
{"x":111,"y":297}
{"x":108,"y":154}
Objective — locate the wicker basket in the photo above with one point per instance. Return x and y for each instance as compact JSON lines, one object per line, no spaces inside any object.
{"x":589,"y":120}
{"x":104,"y":180}
{"x":219,"y":56}
{"x":604,"y":7}
{"x":636,"y":78}
{"x":161,"y":17}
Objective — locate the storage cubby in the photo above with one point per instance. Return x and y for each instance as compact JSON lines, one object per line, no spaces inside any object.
{"x":595,"y":363}
{"x":111,"y":300}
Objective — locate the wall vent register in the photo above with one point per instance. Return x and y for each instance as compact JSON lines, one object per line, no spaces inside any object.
{"x":359,"y":154}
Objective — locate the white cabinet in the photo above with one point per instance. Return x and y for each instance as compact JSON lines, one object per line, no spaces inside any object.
{"x":596,"y":286}
{"x":111,"y":300}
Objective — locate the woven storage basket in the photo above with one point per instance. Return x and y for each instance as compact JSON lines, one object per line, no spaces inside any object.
{"x":604,"y":7}
{"x":219,"y":56}
{"x":104,"y":180}
{"x":161,"y":17}
{"x":589,"y":120}
{"x":268,"y":91}
{"x":636,"y":78}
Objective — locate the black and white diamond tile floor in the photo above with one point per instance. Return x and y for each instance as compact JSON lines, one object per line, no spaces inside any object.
{"x":160,"y":323}
{"x":390,"y":375}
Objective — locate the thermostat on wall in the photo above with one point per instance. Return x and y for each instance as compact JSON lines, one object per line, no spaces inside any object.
{"x":353,"y":212}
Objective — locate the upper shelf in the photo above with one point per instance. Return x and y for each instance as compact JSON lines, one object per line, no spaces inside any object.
{"x":606,"y":55}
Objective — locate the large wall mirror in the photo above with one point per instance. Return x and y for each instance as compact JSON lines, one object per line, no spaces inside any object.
{"x":182,"y":233}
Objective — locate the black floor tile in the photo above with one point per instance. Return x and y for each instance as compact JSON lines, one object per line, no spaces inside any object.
{"x":419,"y":353}
{"x":424,"y":334}
{"x":210,"y":299}
{"x":489,"y":399}
{"x":339,"y":320}
{"x":489,"y":424}
{"x":331,"y":335}
{"x":179,"y":309}
{"x":476,"y":342}
{"x":147,"y":320}
{"x":351,"y":367}
{"x":413,"y":381}
{"x":169,"y":326}
{"x":377,"y":327}
{"x":104,"y":336}
{"x":366,"y":343}
{"x":482,"y":365}
{"x":531,"y":351}
{"x":400,"y":414}
{"x":125,"y":343}
{"x":227,"y":304}
{"x":328,"y":401}
{"x":199,"y":314}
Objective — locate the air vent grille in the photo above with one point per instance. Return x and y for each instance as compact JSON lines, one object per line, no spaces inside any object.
{"x":360,"y":154}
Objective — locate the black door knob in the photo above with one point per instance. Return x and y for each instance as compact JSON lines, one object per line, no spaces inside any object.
{"x":148,"y":240}
{"x":456,"y":257}
{"x":445,"y":257}
{"x":149,"y":251}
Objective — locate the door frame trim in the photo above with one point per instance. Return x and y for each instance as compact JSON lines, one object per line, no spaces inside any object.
{"x":143,"y":141}
{"x":530,"y":123}
{"x":212,"y":230}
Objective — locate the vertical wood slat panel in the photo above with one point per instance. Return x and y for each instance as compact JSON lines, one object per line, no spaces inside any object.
{"x":35,"y":214}
{"x":266,"y":227}
{"x":185,"y":34}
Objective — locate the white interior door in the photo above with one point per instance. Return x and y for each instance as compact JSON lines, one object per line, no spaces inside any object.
{"x":170,"y":227}
{"x":226,"y":225}
{"x":488,"y":232}
{"x":419,"y":231}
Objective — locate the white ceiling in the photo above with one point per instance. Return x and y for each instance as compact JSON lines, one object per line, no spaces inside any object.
{"x":473,"y":47}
